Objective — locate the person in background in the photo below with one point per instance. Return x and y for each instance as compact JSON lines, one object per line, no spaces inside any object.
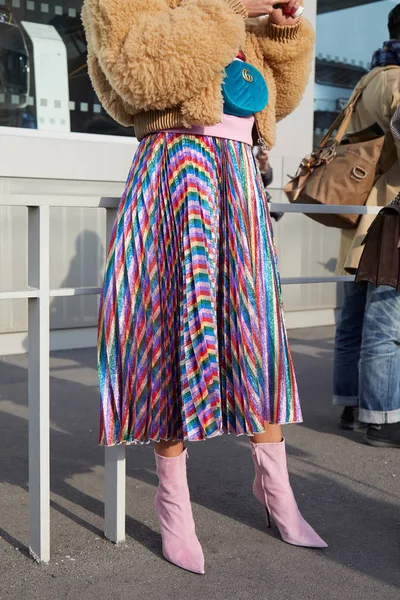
{"x":367,"y":344}
{"x":267,"y":176}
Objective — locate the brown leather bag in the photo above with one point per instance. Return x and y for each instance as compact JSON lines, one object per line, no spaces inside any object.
{"x":340,"y":171}
{"x":380,"y":260}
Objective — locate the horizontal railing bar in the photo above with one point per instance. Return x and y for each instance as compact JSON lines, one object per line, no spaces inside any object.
{"x":98,"y":202}
{"x":95,"y":291}
{"x":19,"y":294}
{"x":306,"y":280}
{"x":58,"y":201}
{"x":324,"y":209}
{"x":79,"y":291}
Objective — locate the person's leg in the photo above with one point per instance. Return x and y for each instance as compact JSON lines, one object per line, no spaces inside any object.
{"x":278,"y":394}
{"x":271,"y":435}
{"x":179,"y":540}
{"x":348,"y":345}
{"x":169,"y":449}
{"x":272,"y":488}
{"x":380,"y":360}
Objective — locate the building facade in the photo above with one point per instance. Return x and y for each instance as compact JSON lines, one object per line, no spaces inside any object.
{"x":55,"y":138}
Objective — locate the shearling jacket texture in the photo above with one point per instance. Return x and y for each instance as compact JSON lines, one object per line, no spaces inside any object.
{"x":159,"y":64}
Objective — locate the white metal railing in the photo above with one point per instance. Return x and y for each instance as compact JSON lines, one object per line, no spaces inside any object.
{"x":38,"y":294}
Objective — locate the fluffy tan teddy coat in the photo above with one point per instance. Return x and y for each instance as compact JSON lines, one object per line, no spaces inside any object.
{"x":159,"y":64}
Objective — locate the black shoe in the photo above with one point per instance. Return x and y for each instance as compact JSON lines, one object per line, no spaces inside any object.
{"x":383,"y":436}
{"x":349,"y":421}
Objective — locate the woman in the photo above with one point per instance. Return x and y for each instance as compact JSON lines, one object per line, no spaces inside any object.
{"x":192,"y":342}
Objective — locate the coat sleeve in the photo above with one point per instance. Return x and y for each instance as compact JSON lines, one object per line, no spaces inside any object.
{"x":288,"y":51}
{"x":156,"y":56}
{"x":113,"y":104}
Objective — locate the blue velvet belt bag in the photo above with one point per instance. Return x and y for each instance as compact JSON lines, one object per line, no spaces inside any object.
{"x":244,"y":90}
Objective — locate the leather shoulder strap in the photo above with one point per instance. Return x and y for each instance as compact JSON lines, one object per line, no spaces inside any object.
{"x":343,"y":119}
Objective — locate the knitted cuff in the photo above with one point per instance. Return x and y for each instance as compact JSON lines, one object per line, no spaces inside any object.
{"x":282,"y":33}
{"x":238,"y":7}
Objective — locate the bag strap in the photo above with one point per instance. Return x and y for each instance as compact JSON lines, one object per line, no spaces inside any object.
{"x":342,"y":121}
{"x":260,"y":140}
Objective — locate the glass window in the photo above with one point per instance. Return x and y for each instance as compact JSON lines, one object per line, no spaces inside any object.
{"x":348,"y":33}
{"x":31,"y":83}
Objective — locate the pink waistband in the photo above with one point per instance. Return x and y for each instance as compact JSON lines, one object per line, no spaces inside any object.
{"x":231,"y":128}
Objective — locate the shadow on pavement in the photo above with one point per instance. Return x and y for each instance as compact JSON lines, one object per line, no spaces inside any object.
{"x":359,"y":520}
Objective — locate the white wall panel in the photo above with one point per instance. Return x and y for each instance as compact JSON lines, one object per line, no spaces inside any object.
{"x":77,"y":252}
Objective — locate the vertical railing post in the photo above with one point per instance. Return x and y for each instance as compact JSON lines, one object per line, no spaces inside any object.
{"x":114,"y":494}
{"x":115,"y":467}
{"x":38,"y":383}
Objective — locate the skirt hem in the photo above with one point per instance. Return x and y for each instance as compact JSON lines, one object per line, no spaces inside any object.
{"x":187,"y":439}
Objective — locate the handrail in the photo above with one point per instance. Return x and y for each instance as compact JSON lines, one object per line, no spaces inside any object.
{"x":83,"y":201}
{"x":38,"y":294}
{"x":318,"y":209}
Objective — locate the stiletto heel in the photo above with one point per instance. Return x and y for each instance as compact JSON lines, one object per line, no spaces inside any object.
{"x":272,"y":488}
{"x":268,"y":517}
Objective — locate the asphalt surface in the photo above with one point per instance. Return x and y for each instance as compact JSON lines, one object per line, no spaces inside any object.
{"x":348,"y":491}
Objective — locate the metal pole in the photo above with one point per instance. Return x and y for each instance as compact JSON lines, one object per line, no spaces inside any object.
{"x":114,"y":494}
{"x":38,"y":383}
{"x":115,"y":467}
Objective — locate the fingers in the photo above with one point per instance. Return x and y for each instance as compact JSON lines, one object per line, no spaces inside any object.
{"x":269,"y":6}
{"x":291,"y":7}
{"x":262,"y":153}
{"x":278,"y":4}
{"x":262,"y":159}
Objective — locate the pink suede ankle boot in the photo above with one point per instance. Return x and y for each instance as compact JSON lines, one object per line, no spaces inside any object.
{"x":272,"y":488}
{"x":179,"y":541}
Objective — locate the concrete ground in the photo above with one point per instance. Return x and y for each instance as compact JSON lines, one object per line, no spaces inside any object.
{"x":349,"y":492}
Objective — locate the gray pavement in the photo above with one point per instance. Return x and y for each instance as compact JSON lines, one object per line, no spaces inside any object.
{"x":349,"y":492}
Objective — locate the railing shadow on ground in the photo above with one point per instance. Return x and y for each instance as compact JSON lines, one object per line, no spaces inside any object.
{"x":360,"y":527}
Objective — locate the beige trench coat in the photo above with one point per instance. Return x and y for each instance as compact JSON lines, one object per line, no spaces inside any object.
{"x":378,"y":104}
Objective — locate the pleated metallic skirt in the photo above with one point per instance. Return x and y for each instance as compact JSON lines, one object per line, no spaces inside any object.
{"x":192,"y":340}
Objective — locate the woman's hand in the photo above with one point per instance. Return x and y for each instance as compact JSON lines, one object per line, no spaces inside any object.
{"x":282,"y":16}
{"x":262,"y":159}
{"x":258,"y":8}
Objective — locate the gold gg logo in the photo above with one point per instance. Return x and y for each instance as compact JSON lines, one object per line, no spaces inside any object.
{"x":247,"y":76}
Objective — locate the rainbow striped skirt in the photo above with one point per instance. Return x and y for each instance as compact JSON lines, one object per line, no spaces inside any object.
{"x":192,"y":340}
